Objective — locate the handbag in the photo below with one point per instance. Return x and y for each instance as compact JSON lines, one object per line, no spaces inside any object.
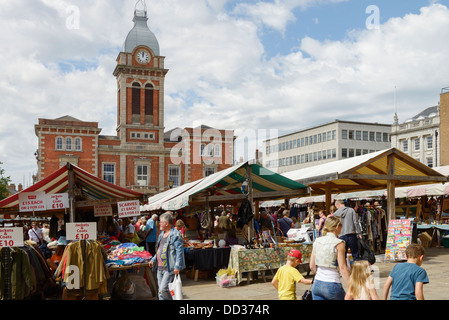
{"x":308,"y":294}
{"x":175,"y":288}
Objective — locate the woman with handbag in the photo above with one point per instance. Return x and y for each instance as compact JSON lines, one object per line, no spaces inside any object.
{"x":328,"y":262}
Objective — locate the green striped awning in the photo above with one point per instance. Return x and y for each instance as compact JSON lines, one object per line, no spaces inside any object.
{"x":226,"y":186}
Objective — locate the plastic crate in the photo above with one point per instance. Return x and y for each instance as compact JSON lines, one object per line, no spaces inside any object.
{"x":226,"y":282}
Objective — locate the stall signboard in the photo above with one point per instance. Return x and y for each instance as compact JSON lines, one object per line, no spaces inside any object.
{"x":57,"y":201}
{"x":32,"y":201}
{"x":11,"y":237}
{"x":399,"y":237}
{"x":81,"y":231}
{"x":128,"y":208}
{"x":102,"y":210}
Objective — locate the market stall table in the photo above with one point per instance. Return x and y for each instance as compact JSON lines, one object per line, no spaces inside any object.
{"x":148,"y":273}
{"x":207,"y":259}
{"x":435,"y":229}
{"x":249,"y":260}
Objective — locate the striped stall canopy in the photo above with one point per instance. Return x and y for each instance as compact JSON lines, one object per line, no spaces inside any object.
{"x":225,"y":186}
{"x":86,"y":186}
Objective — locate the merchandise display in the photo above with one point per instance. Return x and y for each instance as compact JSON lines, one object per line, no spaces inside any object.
{"x":398,"y":238}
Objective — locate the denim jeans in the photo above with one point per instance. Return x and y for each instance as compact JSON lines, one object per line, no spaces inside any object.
{"x":327,"y":290}
{"x":351,"y":241}
{"x":163,"y":279}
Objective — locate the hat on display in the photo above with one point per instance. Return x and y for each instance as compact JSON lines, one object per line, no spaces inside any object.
{"x":62,"y":241}
{"x":296,"y":254}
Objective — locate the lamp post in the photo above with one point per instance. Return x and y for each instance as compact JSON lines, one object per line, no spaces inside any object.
{"x":170,"y":183}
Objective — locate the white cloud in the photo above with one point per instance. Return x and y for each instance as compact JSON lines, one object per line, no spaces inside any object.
{"x":219,"y":73}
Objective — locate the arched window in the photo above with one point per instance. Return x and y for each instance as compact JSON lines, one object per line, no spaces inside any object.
{"x":77,"y":144}
{"x":136,"y":98}
{"x":68,"y":143}
{"x":149,"y":94}
{"x":59,"y":143}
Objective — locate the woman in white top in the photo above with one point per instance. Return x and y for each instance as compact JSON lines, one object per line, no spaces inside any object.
{"x":328,"y":262}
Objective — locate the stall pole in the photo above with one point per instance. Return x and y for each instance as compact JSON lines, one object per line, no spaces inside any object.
{"x":71,"y":192}
{"x":391,"y":203}
{"x":328,"y":195}
{"x":250,"y":198}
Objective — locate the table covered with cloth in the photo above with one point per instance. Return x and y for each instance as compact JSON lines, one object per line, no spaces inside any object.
{"x":247,"y":260}
{"x":208,"y":259}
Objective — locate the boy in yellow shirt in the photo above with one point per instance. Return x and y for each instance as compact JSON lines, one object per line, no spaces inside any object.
{"x":287,"y":276}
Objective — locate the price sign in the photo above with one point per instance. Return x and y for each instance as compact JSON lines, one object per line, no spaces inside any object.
{"x":11,"y":237}
{"x":57,"y":201}
{"x":32,"y":201}
{"x":102,"y":210}
{"x":81,"y":231}
{"x":128,"y":208}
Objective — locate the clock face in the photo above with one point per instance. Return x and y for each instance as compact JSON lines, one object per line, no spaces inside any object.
{"x":143,"y":57}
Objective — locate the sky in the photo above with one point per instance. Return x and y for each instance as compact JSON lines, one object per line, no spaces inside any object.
{"x":260,"y":68}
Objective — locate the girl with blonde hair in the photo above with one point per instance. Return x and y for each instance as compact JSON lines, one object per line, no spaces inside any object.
{"x":361,"y":284}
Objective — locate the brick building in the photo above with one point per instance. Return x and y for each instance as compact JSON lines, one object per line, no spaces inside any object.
{"x":142,"y":156}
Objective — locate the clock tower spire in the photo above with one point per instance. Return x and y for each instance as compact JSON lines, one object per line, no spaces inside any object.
{"x":140,"y":75}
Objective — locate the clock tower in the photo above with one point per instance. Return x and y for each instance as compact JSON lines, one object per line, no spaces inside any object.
{"x":140,"y":75}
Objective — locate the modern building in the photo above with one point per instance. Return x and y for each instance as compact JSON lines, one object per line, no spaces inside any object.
{"x":142,"y":156}
{"x":324,"y":143}
{"x":418,"y":136}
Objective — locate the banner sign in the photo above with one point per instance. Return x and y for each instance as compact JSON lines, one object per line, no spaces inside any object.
{"x":11,"y":237}
{"x":102,"y":210}
{"x":32,"y":201}
{"x":57,"y":201}
{"x":81,"y":231}
{"x":128,"y":208}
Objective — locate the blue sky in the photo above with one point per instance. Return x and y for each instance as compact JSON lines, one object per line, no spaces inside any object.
{"x":333,"y":21}
{"x":233,"y":64}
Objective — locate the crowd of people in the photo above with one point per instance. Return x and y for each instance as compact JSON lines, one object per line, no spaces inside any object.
{"x":338,"y":232}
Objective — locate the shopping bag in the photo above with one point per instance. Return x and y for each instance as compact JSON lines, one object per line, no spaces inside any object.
{"x":175,"y":288}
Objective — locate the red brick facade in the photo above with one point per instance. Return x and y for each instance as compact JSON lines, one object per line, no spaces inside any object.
{"x":141,"y":157}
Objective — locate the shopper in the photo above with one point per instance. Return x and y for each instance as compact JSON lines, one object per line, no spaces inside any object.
{"x":287,"y":276}
{"x":128,"y":230}
{"x":328,"y":262}
{"x":151,"y":234}
{"x":407,"y":279}
{"x":361,"y":284}
{"x":180,"y":226}
{"x":322,"y":219}
{"x":351,"y":230}
{"x":35,"y":234}
{"x":46,"y":233}
{"x":285,"y":223}
{"x":169,"y":258}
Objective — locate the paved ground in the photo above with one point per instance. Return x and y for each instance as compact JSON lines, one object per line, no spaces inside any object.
{"x":436,"y":263}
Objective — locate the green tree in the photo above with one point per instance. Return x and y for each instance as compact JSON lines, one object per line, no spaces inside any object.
{"x":4,"y":183}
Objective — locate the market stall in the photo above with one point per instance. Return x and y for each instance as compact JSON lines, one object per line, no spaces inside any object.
{"x":72,"y":195}
{"x":238,"y":186}
{"x":385,"y":169}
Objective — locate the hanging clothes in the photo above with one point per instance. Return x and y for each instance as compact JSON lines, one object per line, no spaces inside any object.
{"x":96,"y":274}
{"x":16,"y":274}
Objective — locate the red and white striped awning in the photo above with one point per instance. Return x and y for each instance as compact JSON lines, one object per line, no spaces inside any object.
{"x":89,"y":187}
